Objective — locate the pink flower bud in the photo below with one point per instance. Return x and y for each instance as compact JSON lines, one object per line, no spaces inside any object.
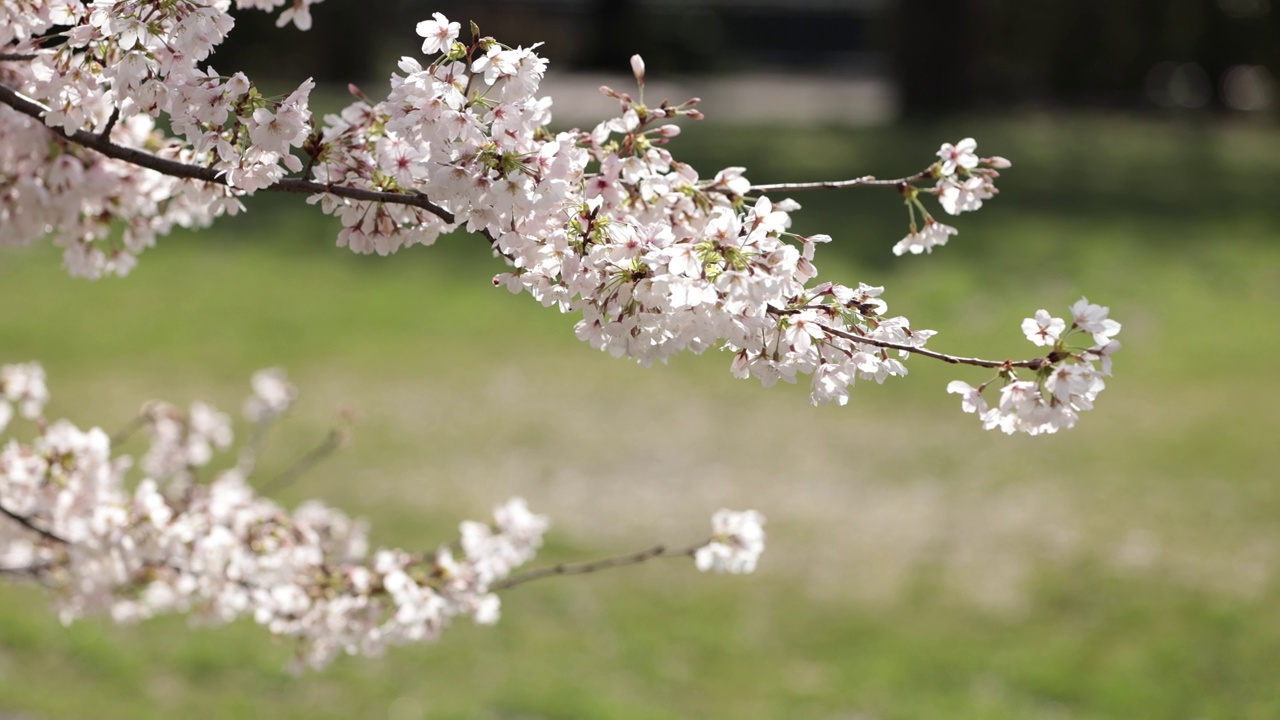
{"x":637,"y":67}
{"x":997,"y":162}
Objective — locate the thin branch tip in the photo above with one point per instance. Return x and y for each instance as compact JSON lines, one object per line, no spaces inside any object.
{"x":652,"y":553}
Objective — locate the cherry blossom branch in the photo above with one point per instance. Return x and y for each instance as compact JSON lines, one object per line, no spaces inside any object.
{"x":26,"y":523}
{"x":657,"y":551}
{"x":111,"y":124}
{"x":1033,"y":364}
{"x":864,"y":181}
{"x":27,"y":571}
{"x":588,"y":220}
{"x":16,"y":57}
{"x":173,"y":168}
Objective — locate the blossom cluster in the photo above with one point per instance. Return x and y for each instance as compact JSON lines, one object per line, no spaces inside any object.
{"x":605,"y":223}
{"x":183,"y":538}
{"x":22,"y":385}
{"x":176,"y":542}
{"x":736,"y":543}
{"x":122,"y":66}
{"x":1065,"y":384}
{"x":964,"y":181}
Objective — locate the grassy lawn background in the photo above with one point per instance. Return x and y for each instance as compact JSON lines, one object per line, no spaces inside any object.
{"x":918,"y":567}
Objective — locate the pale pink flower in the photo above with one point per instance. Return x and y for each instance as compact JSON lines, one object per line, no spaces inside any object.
{"x":934,"y":234}
{"x":22,"y":385}
{"x":960,"y":155}
{"x":963,"y":196}
{"x":1093,"y":319}
{"x":439,"y":34}
{"x":971,"y":398}
{"x":273,"y":394}
{"x":1043,"y":329}
{"x":736,"y":544}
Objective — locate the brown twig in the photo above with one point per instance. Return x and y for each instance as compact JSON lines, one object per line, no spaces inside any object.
{"x":247,"y":461}
{"x":336,"y":438}
{"x":657,"y":551}
{"x":16,"y":57}
{"x":173,"y":168}
{"x":134,"y":425}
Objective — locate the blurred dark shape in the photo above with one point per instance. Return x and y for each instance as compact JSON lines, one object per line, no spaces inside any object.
{"x":935,"y":66}
{"x":606,"y":22}
{"x":349,"y":42}
{"x":943,"y":56}
{"x":1248,"y":88}
{"x":1179,"y":85}
{"x":965,"y":55}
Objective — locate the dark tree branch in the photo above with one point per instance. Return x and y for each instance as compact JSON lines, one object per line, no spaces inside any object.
{"x":33,"y":571}
{"x":111,"y":124}
{"x":26,"y":523}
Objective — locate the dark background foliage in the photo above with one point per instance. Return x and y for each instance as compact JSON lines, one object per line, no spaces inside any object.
{"x":943,"y":57}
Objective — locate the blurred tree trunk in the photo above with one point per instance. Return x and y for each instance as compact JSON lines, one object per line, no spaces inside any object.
{"x":934,"y":54}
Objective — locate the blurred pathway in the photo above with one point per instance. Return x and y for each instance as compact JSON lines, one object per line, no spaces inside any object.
{"x":757,"y":98}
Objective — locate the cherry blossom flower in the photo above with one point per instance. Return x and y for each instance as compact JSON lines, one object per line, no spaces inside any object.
{"x":273,"y":394}
{"x":736,"y":543}
{"x":276,"y":131}
{"x":1102,"y":355}
{"x":1093,"y":319}
{"x":972,"y":401}
{"x":1042,"y":329}
{"x":960,"y":155}
{"x":963,"y":196}
{"x":933,"y":235}
{"x":439,"y":33}
{"x":24,"y":386}
{"x":299,"y":13}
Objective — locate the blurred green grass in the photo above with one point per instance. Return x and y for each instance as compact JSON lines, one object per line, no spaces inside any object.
{"x":918,"y":567}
